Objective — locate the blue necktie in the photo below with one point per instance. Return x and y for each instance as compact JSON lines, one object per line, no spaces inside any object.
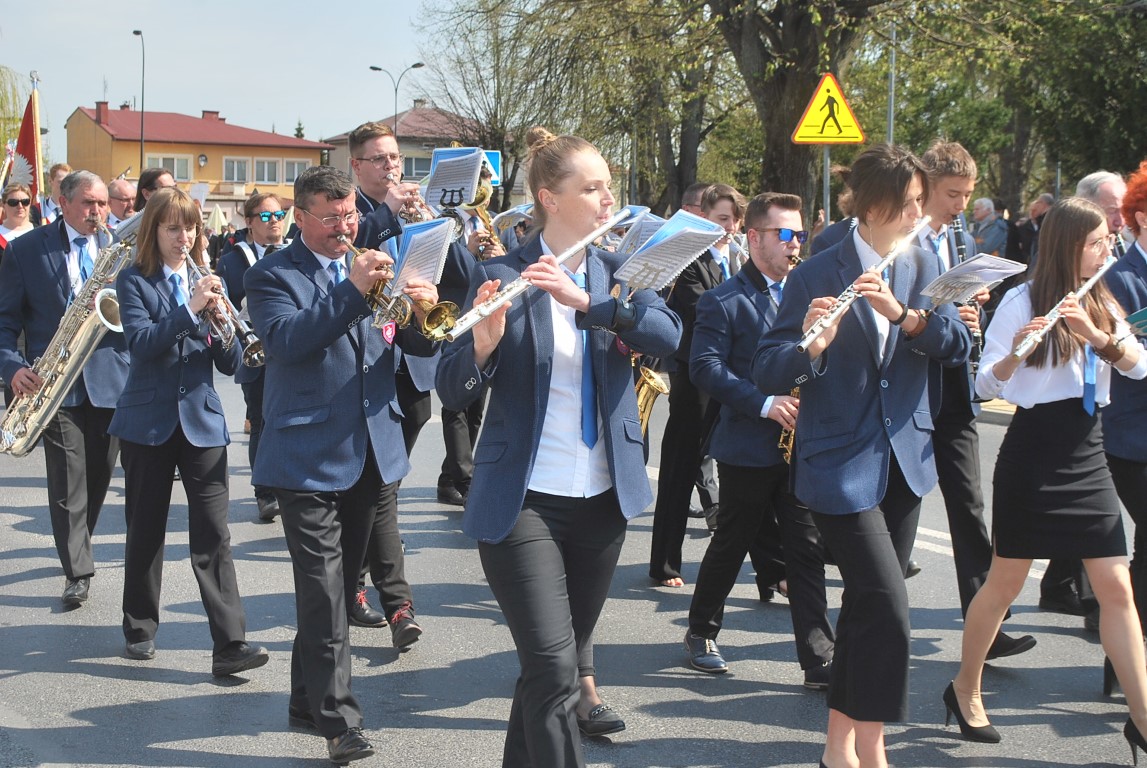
{"x":936,"y":240}
{"x":87,"y":266}
{"x":1089,"y":382}
{"x":724,"y":265}
{"x":780,"y":289}
{"x":177,"y":289}
{"x":336,"y":269}
{"x":588,"y":393}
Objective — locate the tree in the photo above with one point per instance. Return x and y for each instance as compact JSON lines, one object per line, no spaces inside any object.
{"x":13,"y":99}
{"x":299,"y":129}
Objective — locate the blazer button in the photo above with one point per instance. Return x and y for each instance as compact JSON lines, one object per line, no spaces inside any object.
{"x":183,"y":390}
{"x":185,"y":358}
{"x":888,"y":422}
{"x":884,"y":383}
{"x":365,"y":403}
{"x":366,"y":369}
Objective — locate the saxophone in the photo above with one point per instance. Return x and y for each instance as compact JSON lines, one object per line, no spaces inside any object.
{"x":93,"y":312}
{"x":787,"y":435}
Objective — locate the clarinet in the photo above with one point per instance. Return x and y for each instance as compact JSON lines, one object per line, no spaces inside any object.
{"x":977,"y":335}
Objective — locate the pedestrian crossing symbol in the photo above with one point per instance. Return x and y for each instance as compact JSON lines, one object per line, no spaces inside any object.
{"x":828,"y":119}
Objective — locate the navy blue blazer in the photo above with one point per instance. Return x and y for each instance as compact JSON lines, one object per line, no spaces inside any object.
{"x":831,"y":235}
{"x":329,"y":387}
{"x":1125,"y":415}
{"x":232,"y":267}
{"x":730,"y":321}
{"x":34,"y":291}
{"x":858,"y":408}
{"x":170,"y":381}
{"x":518,"y":374}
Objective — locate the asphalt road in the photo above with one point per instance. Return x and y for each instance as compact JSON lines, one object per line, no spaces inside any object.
{"x":68,"y":697}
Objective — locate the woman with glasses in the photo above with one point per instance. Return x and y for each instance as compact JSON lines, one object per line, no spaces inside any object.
{"x":16,"y":219}
{"x":170,"y":416}
{"x":1053,"y":495}
{"x":559,"y":467}
{"x":862,"y":456}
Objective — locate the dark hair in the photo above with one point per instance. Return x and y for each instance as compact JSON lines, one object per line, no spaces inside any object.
{"x":718,"y":192}
{"x":759,"y":206}
{"x":77,"y":181}
{"x":257,"y":199}
{"x":948,"y":158}
{"x":167,"y":206}
{"x":364,"y":133}
{"x":324,"y":180}
{"x":694,"y":192}
{"x":549,"y":163}
{"x":1062,"y":236}
{"x":878,"y":179}
{"x":147,"y":181}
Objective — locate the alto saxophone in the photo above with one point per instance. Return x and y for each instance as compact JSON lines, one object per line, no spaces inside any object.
{"x":93,"y":312}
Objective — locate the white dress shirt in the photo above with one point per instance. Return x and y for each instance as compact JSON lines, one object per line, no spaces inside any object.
{"x":74,"y":255}
{"x":1029,"y":385}
{"x":182,"y":272}
{"x":564,"y":465}
{"x":869,"y":258}
{"x":926,"y":238}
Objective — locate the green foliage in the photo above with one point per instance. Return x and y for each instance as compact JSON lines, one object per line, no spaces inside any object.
{"x":14,"y":90}
{"x":299,"y":134}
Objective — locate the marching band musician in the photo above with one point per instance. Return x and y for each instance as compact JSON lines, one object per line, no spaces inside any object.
{"x":1053,"y":494}
{"x":332,"y":446}
{"x":864,"y":420}
{"x":170,"y":416}
{"x":263,"y":213}
{"x":40,"y":274}
{"x":555,"y":484}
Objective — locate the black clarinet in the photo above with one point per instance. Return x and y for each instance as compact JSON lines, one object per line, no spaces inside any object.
{"x":977,"y":336}
{"x":1120,"y":249}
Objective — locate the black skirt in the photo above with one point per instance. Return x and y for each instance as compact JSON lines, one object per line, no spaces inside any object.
{"x":1052,"y":492}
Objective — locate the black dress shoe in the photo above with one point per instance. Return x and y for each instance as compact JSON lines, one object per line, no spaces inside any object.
{"x":704,"y":654}
{"x":141,"y":651}
{"x":362,"y":615}
{"x":76,"y":592}
{"x":602,"y":721}
{"x":816,"y":678}
{"x":404,"y":630}
{"x":1091,"y":621}
{"x":1004,"y":645}
{"x":985,"y":734}
{"x":268,"y":508}
{"x":349,"y":745}
{"x":711,"y":516}
{"x":695,"y":512}
{"x":912,"y":569}
{"x":1065,"y":602}
{"x":238,"y":657}
{"x":448,"y":494}
{"x":302,"y":719}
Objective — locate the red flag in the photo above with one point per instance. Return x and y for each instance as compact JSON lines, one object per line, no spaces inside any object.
{"x":26,"y":164}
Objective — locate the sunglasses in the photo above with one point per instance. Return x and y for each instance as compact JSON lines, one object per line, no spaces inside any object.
{"x":785,"y":234}
{"x":13,"y":202}
{"x":265,"y":216}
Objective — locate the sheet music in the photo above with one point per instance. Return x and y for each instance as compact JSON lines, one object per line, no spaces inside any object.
{"x":512,"y":216}
{"x":674,"y":246}
{"x":963,"y":281}
{"x":1138,"y":322}
{"x":639,"y":233}
{"x":453,"y":179}
{"x":422,"y":253}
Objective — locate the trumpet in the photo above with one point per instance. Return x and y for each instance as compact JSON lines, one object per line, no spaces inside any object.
{"x":415,"y":210}
{"x":1053,"y":317}
{"x":480,"y":312}
{"x":846,"y":299}
{"x":225,"y":320}
{"x":399,"y":309}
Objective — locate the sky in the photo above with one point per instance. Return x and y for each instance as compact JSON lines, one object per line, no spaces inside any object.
{"x":260,"y":65}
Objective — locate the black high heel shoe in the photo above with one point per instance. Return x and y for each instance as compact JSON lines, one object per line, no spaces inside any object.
{"x":982,"y":733}
{"x":1109,"y":679}
{"x":1134,"y":739}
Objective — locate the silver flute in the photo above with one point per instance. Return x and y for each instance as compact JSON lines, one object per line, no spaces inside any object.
{"x":850,"y":295}
{"x":1035,"y":337}
{"x":508,"y":293}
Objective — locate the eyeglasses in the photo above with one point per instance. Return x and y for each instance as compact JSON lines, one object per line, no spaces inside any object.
{"x":1096,"y":245}
{"x":123,"y":199}
{"x":175,"y":230}
{"x":380,"y":161}
{"x":265,"y":216}
{"x":333,"y":221}
{"x":15,"y":202}
{"x":785,"y":234}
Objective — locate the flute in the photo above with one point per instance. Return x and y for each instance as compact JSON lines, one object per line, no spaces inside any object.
{"x":850,"y":295}
{"x":1053,"y":317}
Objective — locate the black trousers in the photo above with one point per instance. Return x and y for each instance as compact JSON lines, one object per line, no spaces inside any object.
{"x":680,"y":459}
{"x":1131,"y":485}
{"x":79,"y":457}
{"x":460,"y":435}
{"x":870,"y":666}
{"x":551,"y":576}
{"x":415,"y":405}
{"x":253,"y":397}
{"x":757,"y":512}
{"x":326,"y":535}
{"x":147,"y":477}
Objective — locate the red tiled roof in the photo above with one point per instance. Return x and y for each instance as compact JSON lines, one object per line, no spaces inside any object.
{"x":172,"y":127}
{"x":421,"y":123}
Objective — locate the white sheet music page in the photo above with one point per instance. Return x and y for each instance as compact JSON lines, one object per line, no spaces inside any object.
{"x":422,"y":253}
{"x":664,"y":255}
{"x":643,"y":229}
{"x":963,"y":281}
{"x":454,"y":173}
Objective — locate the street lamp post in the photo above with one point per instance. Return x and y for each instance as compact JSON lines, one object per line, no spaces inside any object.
{"x":142,"y":81}
{"x":415,"y":65}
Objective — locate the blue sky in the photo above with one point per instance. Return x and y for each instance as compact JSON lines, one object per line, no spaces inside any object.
{"x":261,"y":65}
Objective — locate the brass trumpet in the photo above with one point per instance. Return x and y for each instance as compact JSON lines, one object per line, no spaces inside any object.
{"x":399,"y":309}
{"x":225,"y":320}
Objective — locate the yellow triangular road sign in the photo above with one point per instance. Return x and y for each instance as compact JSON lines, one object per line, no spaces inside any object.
{"x":828,"y":119}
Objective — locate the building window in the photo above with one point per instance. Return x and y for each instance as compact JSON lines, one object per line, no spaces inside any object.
{"x":235,"y":170}
{"x":292,"y":169}
{"x":266,"y":171}
{"x":178,"y":167}
{"x":415,"y":168}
